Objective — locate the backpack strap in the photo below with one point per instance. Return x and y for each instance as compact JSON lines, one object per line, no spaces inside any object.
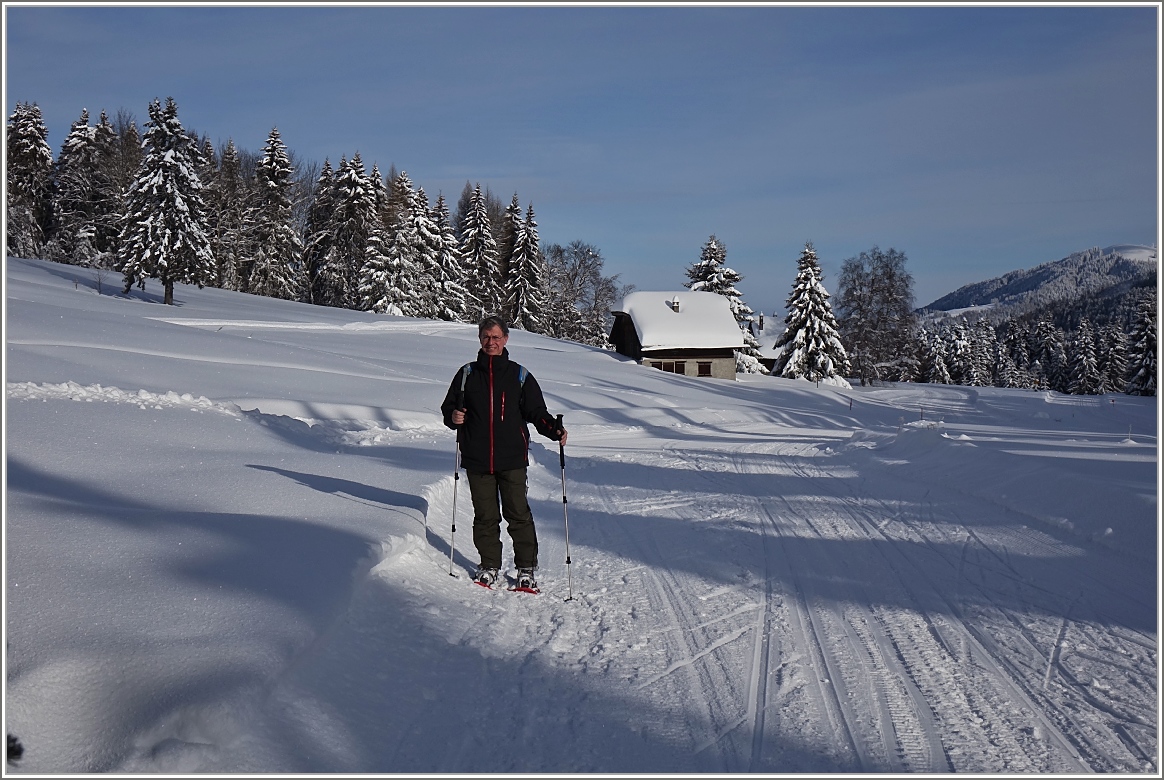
{"x":521,"y":374}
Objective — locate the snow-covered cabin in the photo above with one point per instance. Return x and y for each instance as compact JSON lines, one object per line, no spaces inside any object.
{"x":690,"y":333}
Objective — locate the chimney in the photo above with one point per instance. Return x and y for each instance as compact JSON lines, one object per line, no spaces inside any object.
{"x":675,"y":304}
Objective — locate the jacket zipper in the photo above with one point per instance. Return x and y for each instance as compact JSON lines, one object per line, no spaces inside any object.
{"x":491,"y":445}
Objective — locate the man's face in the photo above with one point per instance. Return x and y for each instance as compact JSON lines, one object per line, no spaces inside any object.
{"x":493,"y":341}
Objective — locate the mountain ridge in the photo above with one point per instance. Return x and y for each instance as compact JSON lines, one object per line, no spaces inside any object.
{"x":1093,"y":273}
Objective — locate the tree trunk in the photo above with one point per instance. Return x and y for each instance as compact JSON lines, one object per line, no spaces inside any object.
{"x":169,"y":285}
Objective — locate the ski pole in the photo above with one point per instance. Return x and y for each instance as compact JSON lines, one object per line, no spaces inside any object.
{"x":456,"y":482}
{"x":565,"y":515}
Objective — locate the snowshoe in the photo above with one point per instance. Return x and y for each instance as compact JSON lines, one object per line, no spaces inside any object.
{"x":526,"y":582}
{"x":485,"y":577}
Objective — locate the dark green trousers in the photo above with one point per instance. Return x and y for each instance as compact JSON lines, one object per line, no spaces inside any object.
{"x":495,"y":495}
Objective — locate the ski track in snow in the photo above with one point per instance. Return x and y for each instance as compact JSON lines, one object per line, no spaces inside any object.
{"x":901,"y":689}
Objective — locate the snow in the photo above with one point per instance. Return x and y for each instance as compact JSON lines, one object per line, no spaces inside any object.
{"x":704,"y":320}
{"x":1134,"y":252}
{"x":228,"y":526}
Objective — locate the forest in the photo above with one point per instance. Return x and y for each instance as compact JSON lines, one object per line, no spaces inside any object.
{"x":167,"y":204}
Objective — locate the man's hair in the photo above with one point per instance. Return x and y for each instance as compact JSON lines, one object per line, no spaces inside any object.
{"x":492,"y":322}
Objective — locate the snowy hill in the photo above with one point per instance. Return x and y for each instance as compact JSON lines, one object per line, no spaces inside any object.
{"x":229,"y":522}
{"x":1079,"y":275}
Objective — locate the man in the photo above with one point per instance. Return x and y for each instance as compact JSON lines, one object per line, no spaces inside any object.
{"x":489,"y":403}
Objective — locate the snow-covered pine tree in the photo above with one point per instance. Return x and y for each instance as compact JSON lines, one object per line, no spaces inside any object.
{"x":108,"y":200}
{"x":275,"y":270}
{"x":479,"y":256}
{"x":812,"y":348}
{"x":1016,"y":341}
{"x":1111,"y":351}
{"x":429,"y":246}
{"x":377,"y":288}
{"x":120,"y":159}
{"x":984,"y":353}
{"x":451,"y":296}
{"x":1142,"y":349}
{"x":389,"y":273}
{"x":506,"y":245}
{"x":207,"y":161}
{"x":356,"y":235}
{"x":228,"y":209}
{"x":935,"y":369}
{"x":1084,"y":364}
{"x":960,"y":355}
{"x":164,"y":233}
{"x":525,"y":294}
{"x":29,"y":163}
{"x":385,"y":199}
{"x":461,"y":211}
{"x":317,"y":241}
{"x":1007,"y":373}
{"x":74,"y":202}
{"x":1050,"y":352}
{"x":711,"y":274}
{"x":390,"y":198}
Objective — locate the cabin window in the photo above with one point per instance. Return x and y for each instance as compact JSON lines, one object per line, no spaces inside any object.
{"x":670,"y":366}
{"x":704,"y":368}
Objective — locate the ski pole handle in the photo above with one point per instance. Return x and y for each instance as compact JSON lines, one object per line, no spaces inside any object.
{"x":561,"y":447}
{"x":460,"y":408}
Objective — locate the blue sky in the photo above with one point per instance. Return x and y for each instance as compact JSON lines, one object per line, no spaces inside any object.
{"x":977,"y":140}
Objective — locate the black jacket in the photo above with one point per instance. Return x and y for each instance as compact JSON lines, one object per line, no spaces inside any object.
{"x":494,"y":436}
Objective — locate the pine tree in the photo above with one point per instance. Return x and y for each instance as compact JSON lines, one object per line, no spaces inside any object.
{"x":120,"y":155}
{"x":391,"y":199}
{"x":984,"y":354}
{"x":461,"y":212}
{"x":509,"y":228}
{"x":479,"y":256}
{"x":710,"y":274}
{"x":75,"y":196}
{"x":524,"y":292}
{"x":228,"y":209}
{"x":164,"y":233}
{"x":108,"y":196}
{"x":1049,"y":351}
{"x":1008,"y":374}
{"x":1016,"y":341}
{"x":935,"y":370}
{"x":452,"y":299}
{"x":812,"y":347}
{"x":1142,"y":350}
{"x":429,"y":245}
{"x":1085,"y":378}
{"x":318,"y":231}
{"x":275,"y":270}
{"x":1112,"y":356}
{"x":388,"y":277}
{"x":960,"y":356}
{"x":356,"y":235}
{"x":29,"y":166}
{"x":377,"y":288}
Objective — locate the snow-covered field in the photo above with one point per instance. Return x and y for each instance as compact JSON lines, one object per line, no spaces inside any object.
{"x":228,"y":532}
